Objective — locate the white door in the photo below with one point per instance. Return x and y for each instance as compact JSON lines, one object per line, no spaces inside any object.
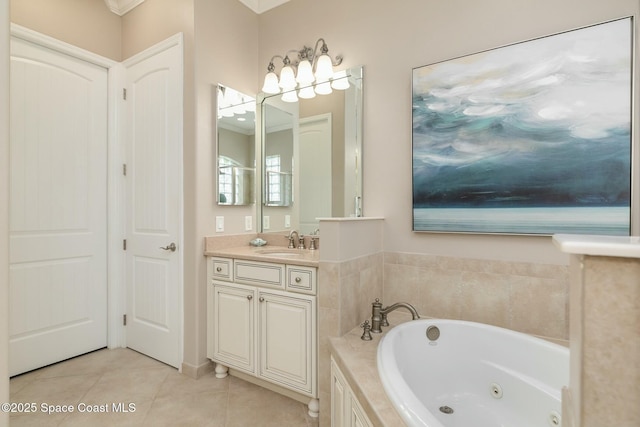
{"x":154,"y":203}
{"x":58,"y":207}
{"x":315,"y":162}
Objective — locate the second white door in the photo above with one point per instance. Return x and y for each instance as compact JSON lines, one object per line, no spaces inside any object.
{"x":154,"y":203}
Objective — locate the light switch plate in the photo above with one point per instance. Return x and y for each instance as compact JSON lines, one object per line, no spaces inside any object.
{"x":265,"y":222}
{"x":287,"y":221}
{"x":248,"y":223}
{"x":219,"y":224}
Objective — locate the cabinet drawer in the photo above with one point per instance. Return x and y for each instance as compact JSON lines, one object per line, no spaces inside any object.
{"x":301,"y":279}
{"x":221,"y":269}
{"x":259,"y":273}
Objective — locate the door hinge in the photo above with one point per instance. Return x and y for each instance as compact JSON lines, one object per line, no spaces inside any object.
{"x":124,"y":93}
{"x":124,"y":320}
{"x":124,"y":169}
{"x":124,"y":244}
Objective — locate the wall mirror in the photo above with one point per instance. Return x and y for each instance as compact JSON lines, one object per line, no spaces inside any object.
{"x":311,"y":157}
{"x":235,"y":127}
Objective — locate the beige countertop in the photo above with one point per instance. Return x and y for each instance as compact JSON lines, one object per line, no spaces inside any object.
{"x":268,"y":253}
{"x":357,"y":360}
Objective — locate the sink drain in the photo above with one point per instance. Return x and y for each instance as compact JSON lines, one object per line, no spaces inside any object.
{"x":446,"y":410}
{"x":496,"y":390}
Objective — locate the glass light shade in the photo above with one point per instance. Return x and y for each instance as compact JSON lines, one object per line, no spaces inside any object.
{"x":305,"y":73}
{"x":290,"y":96}
{"x":323,"y":88}
{"x":324,"y":68}
{"x":227,"y":112}
{"x":307,"y":92}
{"x":287,"y":78}
{"x":271,"y":84}
{"x":238,"y":109}
{"x":340,"y":80}
{"x":250,"y":106}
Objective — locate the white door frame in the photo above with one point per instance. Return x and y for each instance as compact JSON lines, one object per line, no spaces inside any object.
{"x":116,"y":283}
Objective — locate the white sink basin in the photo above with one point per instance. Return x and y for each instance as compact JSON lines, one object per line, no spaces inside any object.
{"x":281,"y":252}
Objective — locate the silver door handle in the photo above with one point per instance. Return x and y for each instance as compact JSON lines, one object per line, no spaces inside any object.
{"x":171,"y":247}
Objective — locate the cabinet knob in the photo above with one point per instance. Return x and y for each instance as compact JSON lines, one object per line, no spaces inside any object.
{"x":298,"y":280}
{"x":261,"y":299}
{"x":249,"y":297}
{"x":218,"y":269}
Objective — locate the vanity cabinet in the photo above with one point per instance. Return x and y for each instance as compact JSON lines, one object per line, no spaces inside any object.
{"x":262,"y":321}
{"x":233,"y":342}
{"x":346,"y":410}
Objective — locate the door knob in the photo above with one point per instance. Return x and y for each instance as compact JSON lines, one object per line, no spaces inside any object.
{"x":171,"y":247}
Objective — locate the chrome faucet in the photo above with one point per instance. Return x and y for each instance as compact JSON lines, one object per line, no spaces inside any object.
{"x":379,"y":314}
{"x":292,"y":240}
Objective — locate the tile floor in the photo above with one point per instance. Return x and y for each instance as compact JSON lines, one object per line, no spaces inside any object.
{"x":159,"y":394}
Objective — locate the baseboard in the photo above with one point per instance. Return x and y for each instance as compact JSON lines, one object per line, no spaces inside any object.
{"x":196,"y":372}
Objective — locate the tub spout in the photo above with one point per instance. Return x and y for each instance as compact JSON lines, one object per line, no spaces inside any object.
{"x":379,"y":314}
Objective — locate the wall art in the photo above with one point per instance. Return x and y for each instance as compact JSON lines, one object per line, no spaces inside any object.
{"x":529,"y":138}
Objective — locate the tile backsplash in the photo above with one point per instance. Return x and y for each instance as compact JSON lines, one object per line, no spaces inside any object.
{"x":526,"y":297}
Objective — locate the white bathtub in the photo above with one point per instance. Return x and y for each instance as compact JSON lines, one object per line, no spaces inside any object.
{"x":473,"y":375}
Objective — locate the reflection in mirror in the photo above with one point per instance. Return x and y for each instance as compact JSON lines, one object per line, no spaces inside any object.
{"x":313,"y":149}
{"x":278,"y":154}
{"x":236,"y":147}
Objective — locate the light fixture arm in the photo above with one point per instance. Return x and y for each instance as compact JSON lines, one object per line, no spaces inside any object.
{"x":301,"y":68}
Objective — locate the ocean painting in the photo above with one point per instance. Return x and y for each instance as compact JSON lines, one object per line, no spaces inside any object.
{"x":530,"y":138}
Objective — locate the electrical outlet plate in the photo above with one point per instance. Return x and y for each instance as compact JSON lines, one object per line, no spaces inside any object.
{"x":248,"y":223}
{"x":265,"y":222}
{"x":219,"y":224}
{"x":287,"y":221}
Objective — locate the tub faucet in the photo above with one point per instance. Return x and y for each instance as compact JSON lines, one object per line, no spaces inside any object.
{"x":379,"y":314}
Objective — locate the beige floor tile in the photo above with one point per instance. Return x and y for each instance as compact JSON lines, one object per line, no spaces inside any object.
{"x":250,"y":405}
{"x":161,"y":395}
{"x":128,"y":386}
{"x":134,"y":416}
{"x":177,"y":384}
{"x":206,"y":409}
{"x":36,"y":420}
{"x":56,"y":391}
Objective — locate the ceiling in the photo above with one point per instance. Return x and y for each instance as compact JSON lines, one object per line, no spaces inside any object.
{"x":259,"y":6}
{"x":120,"y":7}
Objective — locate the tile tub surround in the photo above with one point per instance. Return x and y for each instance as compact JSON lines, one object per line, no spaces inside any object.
{"x":605,"y":330}
{"x":605,"y":376}
{"x":357,"y":361}
{"x":345,"y":292}
{"x":526,"y":297}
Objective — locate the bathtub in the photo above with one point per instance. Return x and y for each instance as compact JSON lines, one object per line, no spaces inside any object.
{"x":472,"y":375}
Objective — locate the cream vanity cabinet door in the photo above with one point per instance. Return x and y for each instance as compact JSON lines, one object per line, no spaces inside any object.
{"x":234,"y":326}
{"x":346,"y":411}
{"x":287,"y":340}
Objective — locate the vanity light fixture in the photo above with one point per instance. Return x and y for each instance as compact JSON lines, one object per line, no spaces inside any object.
{"x":309,"y":66}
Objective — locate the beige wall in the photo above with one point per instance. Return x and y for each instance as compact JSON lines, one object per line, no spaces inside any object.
{"x":391,"y":38}
{"x":4,"y":207}
{"x":154,"y":21}
{"x":225,"y":52}
{"x":88,"y":24}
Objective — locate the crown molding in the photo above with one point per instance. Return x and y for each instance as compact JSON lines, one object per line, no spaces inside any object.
{"x":120,"y":7}
{"x":260,"y":6}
